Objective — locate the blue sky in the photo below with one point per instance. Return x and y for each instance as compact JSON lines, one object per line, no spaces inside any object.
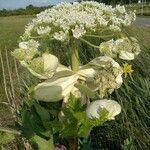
{"x":12,"y":4}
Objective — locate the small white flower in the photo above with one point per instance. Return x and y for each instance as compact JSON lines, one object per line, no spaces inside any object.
{"x":120,"y":9}
{"x":43,"y":30}
{"x":78,"y":32}
{"x":27,"y":45}
{"x":23,"y":45}
{"x":125,"y":48}
{"x":94,"y":109}
{"x":119,"y":79}
{"x":26,"y":50}
{"x":61,"y":36}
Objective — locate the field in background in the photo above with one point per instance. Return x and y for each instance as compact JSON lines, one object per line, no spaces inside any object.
{"x":134,"y":115}
{"x":11,"y":28}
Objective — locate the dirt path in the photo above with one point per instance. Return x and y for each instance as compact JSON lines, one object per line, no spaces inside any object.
{"x":141,"y":21}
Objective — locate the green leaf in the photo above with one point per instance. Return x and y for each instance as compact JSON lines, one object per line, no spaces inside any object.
{"x":44,"y":115}
{"x":69,"y":130}
{"x":56,"y":125}
{"x":86,"y":124}
{"x":69,"y":124}
{"x":75,"y":104}
{"x":128,"y":144}
{"x":103,"y":117}
{"x":6,"y":137}
{"x":84,"y":130}
{"x":42,"y":112}
{"x":31,"y":122}
{"x":41,"y":143}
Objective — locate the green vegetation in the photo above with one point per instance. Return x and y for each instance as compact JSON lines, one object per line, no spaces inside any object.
{"x":130,"y":130}
{"x":32,"y":10}
{"x":29,"y":10}
{"x":145,"y":10}
{"x":10,"y":30}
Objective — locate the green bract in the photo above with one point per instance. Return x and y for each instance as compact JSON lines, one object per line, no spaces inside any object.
{"x":94,"y":109}
{"x":55,"y":89}
{"x":42,"y":67}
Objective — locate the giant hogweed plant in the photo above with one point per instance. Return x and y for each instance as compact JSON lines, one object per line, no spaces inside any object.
{"x":70,"y":100}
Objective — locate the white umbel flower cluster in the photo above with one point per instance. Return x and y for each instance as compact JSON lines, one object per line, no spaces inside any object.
{"x":66,"y":20}
{"x":124,"y":48}
{"x":105,"y":75}
{"x":26,"y":50}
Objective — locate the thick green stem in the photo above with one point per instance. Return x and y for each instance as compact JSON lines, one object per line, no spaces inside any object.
{"x":73,"y":142}
{"x":75,"y":58}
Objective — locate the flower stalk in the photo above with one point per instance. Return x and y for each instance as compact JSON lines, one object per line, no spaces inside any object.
{"x":88,"y":43}
{"x":73,"y":142}
{"x":75,"y":58}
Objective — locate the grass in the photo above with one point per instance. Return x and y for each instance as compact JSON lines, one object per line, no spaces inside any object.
{"x":132,"y":124}
{"x":10,"y":30}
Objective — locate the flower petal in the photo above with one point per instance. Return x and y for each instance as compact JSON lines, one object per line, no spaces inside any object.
{"x":87,"y":73}
{"x":126,"y":55}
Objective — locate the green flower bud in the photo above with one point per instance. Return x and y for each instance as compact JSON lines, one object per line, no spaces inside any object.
{"x":37,"y":65}
{"x":19,"y":54}
{"x":94,"y":109}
